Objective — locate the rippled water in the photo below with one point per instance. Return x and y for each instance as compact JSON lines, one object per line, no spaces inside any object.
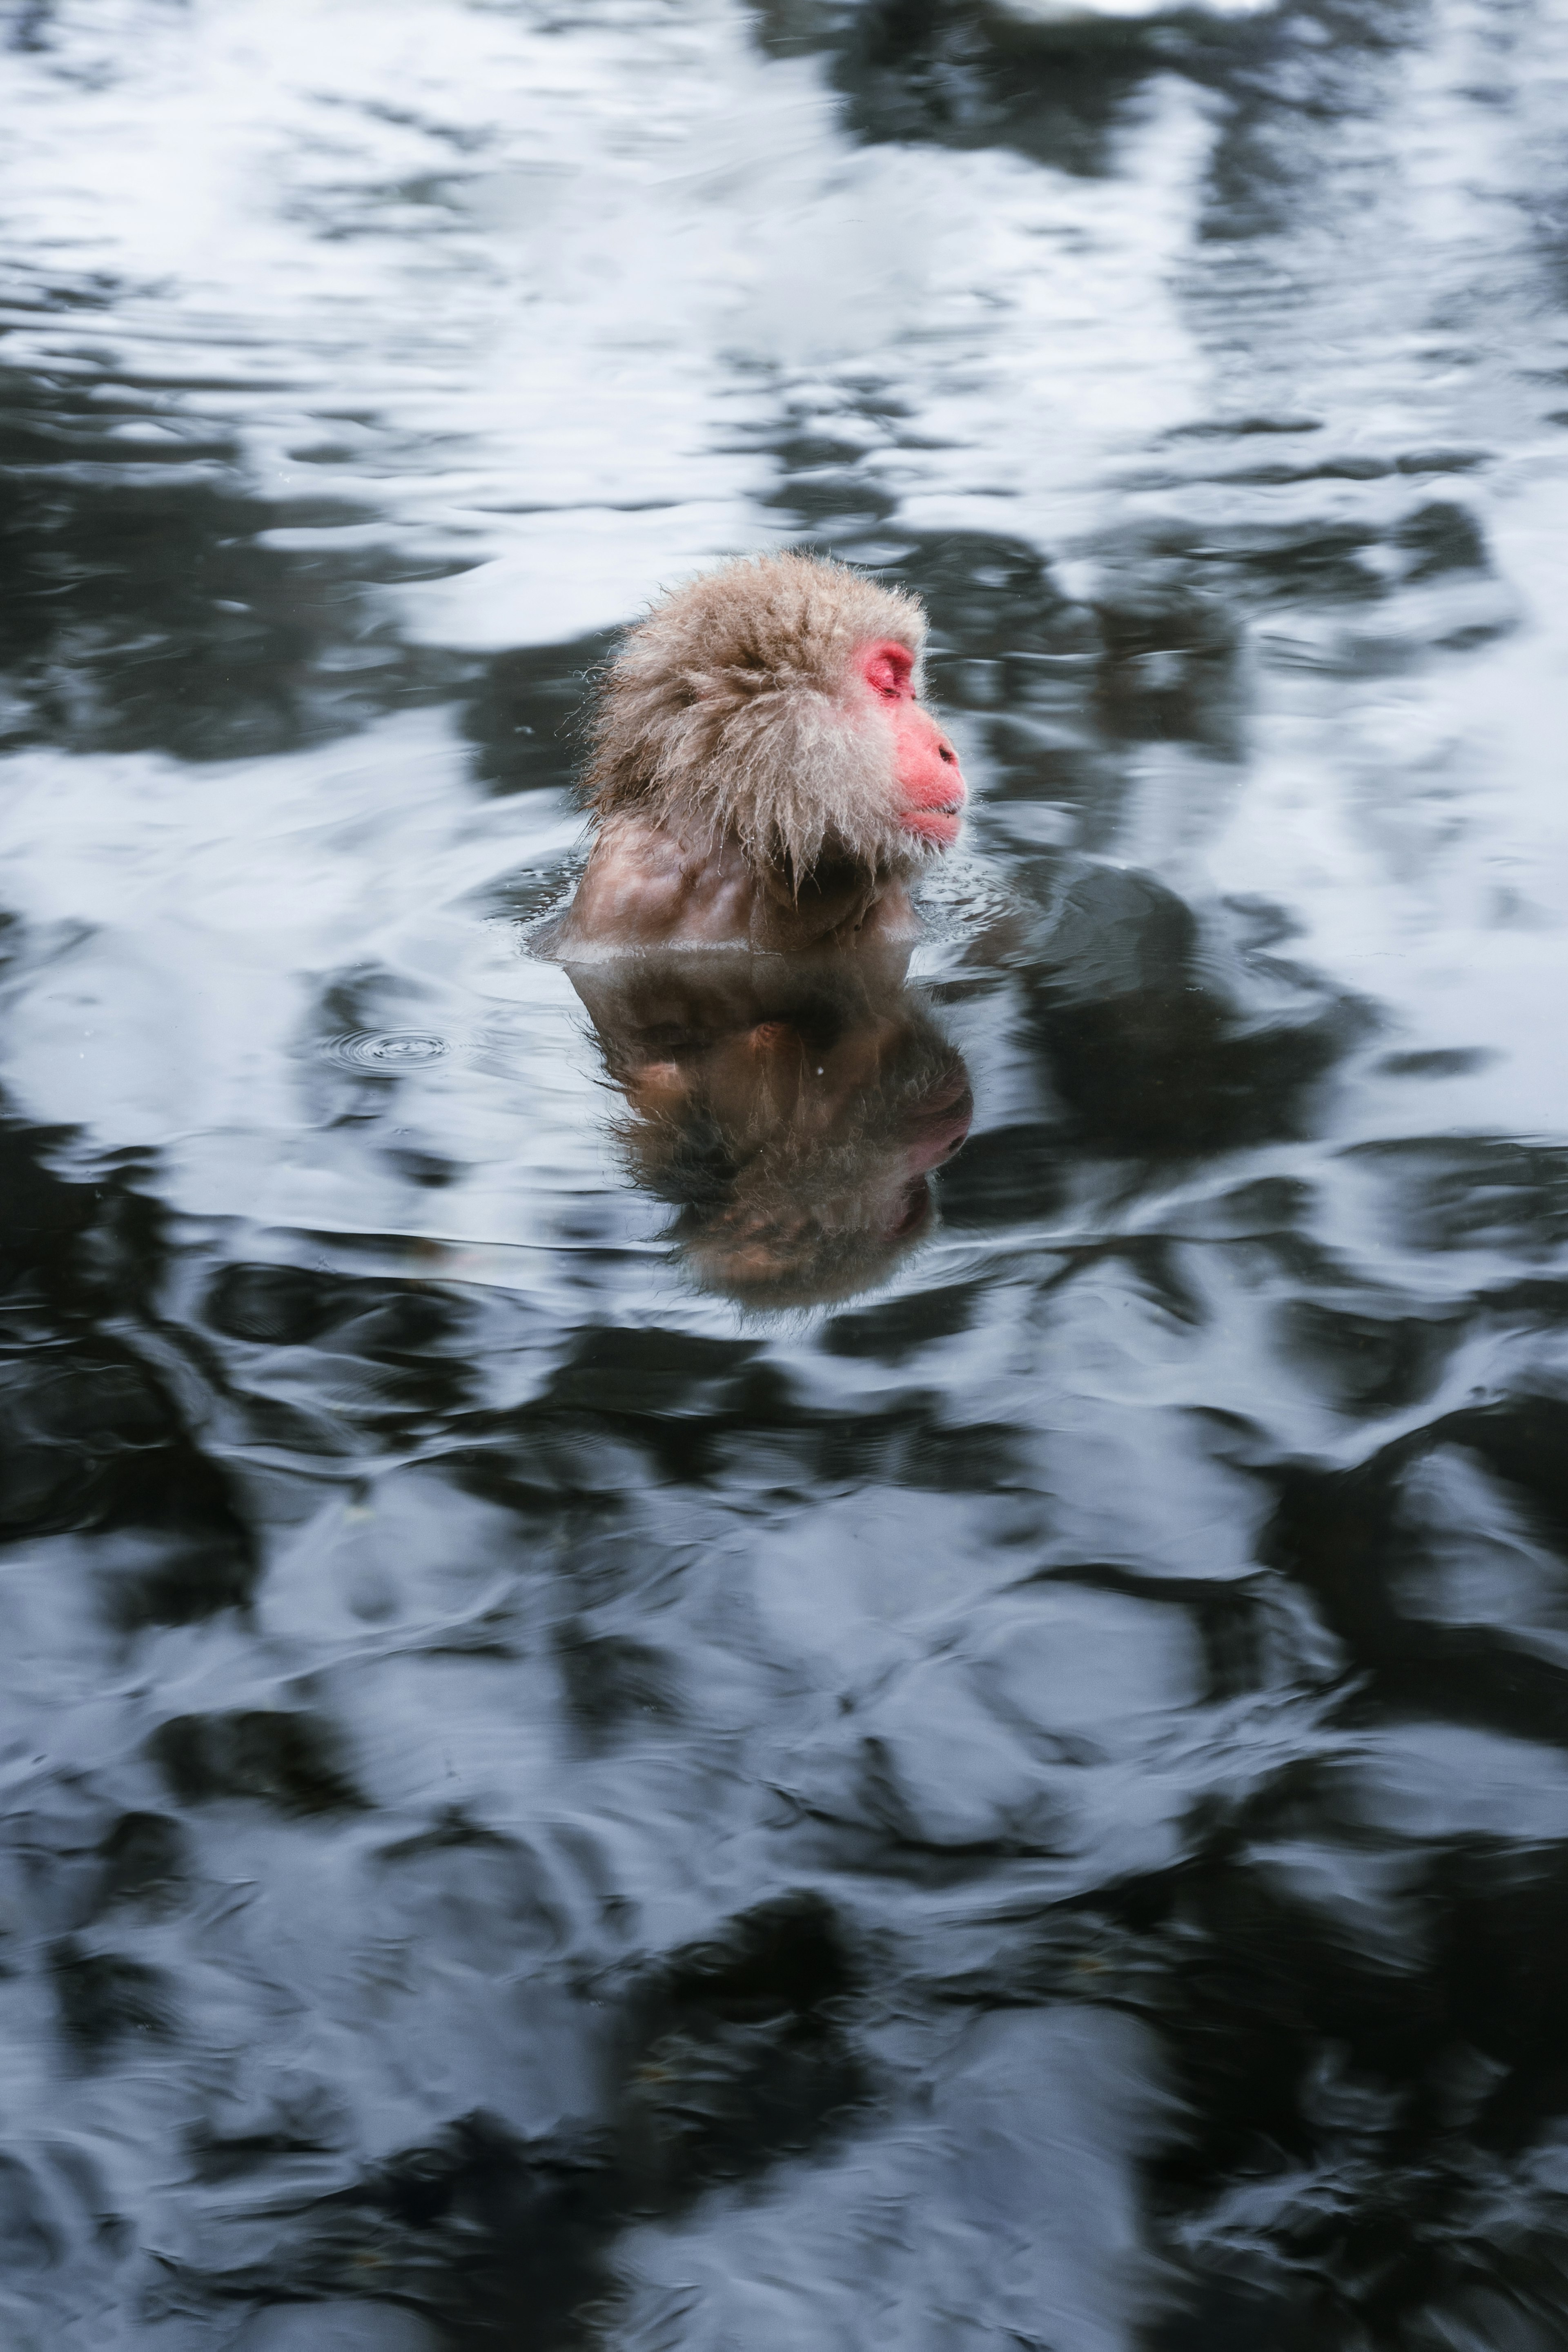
{"x":1025,"y":1805}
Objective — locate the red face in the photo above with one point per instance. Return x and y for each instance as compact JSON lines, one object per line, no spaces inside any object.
{"x":929,"y":781}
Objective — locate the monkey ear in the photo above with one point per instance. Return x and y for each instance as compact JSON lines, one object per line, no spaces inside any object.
{"x":886,"y":667}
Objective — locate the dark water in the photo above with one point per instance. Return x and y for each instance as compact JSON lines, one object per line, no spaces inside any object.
{"x":1024,"y":1805}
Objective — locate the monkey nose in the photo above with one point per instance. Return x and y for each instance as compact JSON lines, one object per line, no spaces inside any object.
{"x":945,"y":787}
{"x":932,"y":786}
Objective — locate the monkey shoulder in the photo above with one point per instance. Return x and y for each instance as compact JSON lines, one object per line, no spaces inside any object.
{"x":645,"y":886}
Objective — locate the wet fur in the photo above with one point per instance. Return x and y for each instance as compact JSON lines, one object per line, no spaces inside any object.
{"x":731,"y":710}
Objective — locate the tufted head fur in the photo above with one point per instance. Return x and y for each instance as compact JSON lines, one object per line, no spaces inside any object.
{"x":729,"y":711}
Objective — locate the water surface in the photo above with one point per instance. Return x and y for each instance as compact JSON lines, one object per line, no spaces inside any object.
{"x":1023,"y":1804}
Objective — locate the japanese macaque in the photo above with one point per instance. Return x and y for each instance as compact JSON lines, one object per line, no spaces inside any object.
{"x":764,"y":772}
{"x":790,"y":1107}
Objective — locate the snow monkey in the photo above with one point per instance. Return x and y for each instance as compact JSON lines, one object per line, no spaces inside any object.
{"x":764,"y":771}
{"x":790,"y":1107}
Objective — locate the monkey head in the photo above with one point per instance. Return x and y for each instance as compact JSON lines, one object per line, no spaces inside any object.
{"x":776,"y":703}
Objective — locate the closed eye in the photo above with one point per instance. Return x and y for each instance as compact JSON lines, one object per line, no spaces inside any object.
{"x":951,"y":757}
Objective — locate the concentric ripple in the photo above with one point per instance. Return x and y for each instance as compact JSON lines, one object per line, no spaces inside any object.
{"x":385,"y":1053}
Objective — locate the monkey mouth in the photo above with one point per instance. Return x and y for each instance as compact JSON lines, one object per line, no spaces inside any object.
{"x":938,"y":821}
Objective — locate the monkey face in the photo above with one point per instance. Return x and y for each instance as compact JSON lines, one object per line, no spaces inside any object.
{"x":930,"y":786}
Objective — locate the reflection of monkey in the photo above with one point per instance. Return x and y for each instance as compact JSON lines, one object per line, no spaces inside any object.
{"x":764,"y":772}
{"x":790,"y":1107}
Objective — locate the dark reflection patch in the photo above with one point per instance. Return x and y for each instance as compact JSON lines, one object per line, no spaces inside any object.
{"x":216,"y":2159}
{"x":1007,"y":1175}
{"x":966,"y":77}
{"x":382,"y":1356}
{"x":1463,"y":1192}
{"x":1509,"y":1914}
{"x":987,"y":595}
{"x":724,"y":2056}
{"x":275,"y":1306}
{"x":614,"y":1683}
{"x":645,"y":1372}
{"x":834,"y":498}
{"x":1442,"y":1564}
{"x":525,"y":717}
{"x":93,"y":1440}
{"x":144,"y":1864}
{"x":1166,"y":683}
{"x":288,"y":1761}
{"x":1370,"y":2102}
{"x":476,"y":2229}
{"x":107,"y":2000}
{"x":1145,"y":1049}
{"x":1439,"y":1062}
{"x":1352,"y":2090}
{"x":29,"y":2238}
{"x":1442,"y":537}
{"x":553,"y":1450}
{"x":1056,"y":685}
{"x":139,"y":605}
{"x":1368,"y":1362}
{"x":1057,"y":84}
{"x":735,"y":2053}
{"x":902,"y":1327}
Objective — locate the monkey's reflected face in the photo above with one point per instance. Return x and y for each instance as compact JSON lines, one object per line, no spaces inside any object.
{"x":929,"y":782}
{"x":792,"y":1118}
